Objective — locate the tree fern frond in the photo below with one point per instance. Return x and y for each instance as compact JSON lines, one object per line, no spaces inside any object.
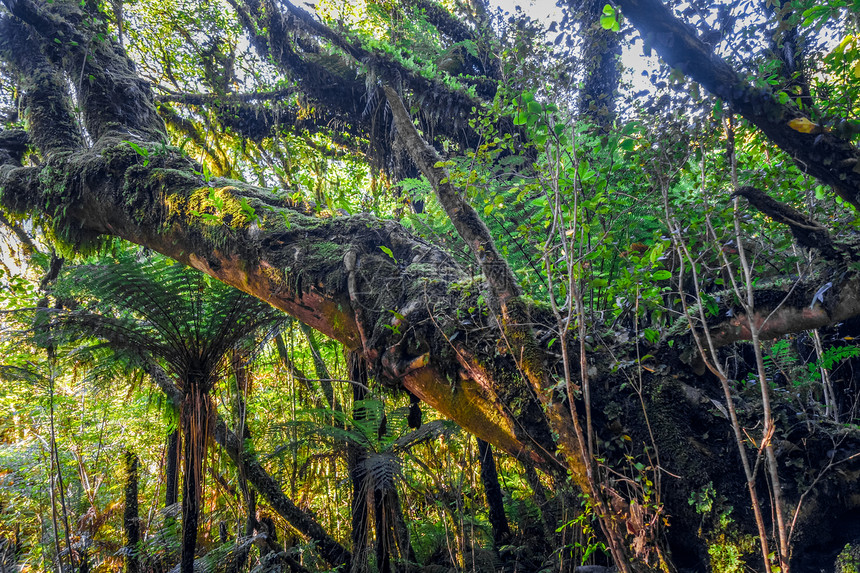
{"x":161,"y":547}
{"x":381,"y":469}
{"x":353,"y":432}
{"x":222,"y":558}
{"x":427,"y":432}
{"x":164,"y":309}
{"x":23,"y":373}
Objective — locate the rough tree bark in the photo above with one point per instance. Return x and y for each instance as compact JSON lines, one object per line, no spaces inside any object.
{"x":196,"y":413}
{"x":355,"y":458}
{"x":601,"y":52}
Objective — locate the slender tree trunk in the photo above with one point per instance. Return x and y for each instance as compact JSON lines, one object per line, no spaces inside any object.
{"x":54,"y":521}
{"x":320,"y":367}
{"x":355,"y":458}
{"x":493,"y":491}
{"x":190,"y":509}
{"x":548,"y":507}
{"x":131,"y":520}
{"x":171,"y":488}
{"x":401,"y":530}
{"x":55,"y":462}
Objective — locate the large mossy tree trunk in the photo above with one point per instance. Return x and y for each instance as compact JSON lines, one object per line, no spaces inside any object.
{"x":600,"y":60}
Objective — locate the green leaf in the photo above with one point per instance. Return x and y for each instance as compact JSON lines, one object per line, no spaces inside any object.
{"x":248,"y":210}
{"x":142,"y":151}
{"x":387,"y":251}
{"x":661,"y":275}
{"x":608,"y":22}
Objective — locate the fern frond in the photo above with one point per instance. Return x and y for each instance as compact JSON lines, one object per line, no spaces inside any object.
{"x":381,"y":470}
{"x":427,"y":432}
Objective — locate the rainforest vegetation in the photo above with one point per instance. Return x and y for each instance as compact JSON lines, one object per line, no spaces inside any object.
{"x":417,"y":286}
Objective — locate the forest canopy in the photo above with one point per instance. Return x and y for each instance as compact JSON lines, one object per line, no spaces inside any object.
{"x":423,"y":286}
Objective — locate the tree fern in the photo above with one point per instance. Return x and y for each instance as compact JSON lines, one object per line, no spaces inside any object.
{"x":151,"y":307}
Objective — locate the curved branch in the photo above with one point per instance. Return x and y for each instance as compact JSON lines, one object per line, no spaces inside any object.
{"x":779,"y":313}
{"x":113,"y":98}
{"x":823,"y":155}
{"x":271,"y":30}
{"x":249,"y":238}
{"x":808,"y":232}
{"x":213,"y":98}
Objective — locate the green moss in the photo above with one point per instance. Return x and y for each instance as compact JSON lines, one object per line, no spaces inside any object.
{"x":331,"y":252}
{"x":535,"y":305}
{"x":60,"y":183}
{"x":848,"y":560}
{"x":726,"y":557}
{"x":726,"y":545}
{"x":429,"y":271}
{"x":469,"y":285}
{"x":220,"y":206}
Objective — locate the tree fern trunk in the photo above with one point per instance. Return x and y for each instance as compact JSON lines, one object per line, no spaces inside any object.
{"x":404,"y":543}
{"x":383,"y":548}
{"x":195,"y":421}
{"x":171,"y":489}
{"x":190,"y":507}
